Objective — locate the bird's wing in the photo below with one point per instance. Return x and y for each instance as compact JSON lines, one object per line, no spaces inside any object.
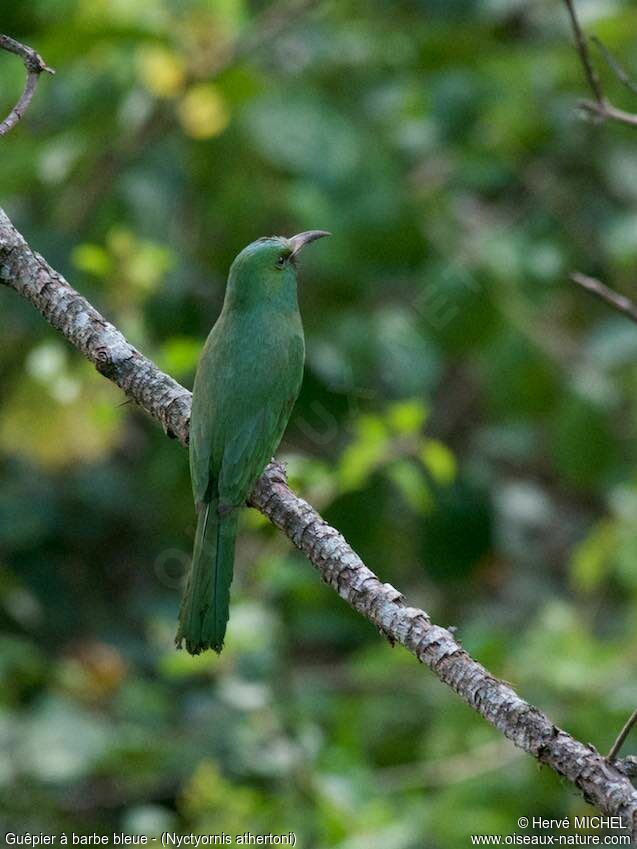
{"x":201,"y":431}
{"x":248,"y":451}
{"x":239,"y":414}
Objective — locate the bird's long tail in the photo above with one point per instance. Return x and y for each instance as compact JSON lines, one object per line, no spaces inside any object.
{"x":204,"y":610}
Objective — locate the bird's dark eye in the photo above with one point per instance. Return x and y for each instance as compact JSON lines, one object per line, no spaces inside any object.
{"x":281,"y":261}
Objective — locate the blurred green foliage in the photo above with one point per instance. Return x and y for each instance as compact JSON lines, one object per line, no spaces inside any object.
{"x":467,"y":418}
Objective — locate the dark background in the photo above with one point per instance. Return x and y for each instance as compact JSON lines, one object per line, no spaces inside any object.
{"x":467,"y":418}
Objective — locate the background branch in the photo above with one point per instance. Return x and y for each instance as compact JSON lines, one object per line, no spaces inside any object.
{"x":584,"y":54}
{"x":626,"y":307}
{"x":601,"y":783}
{"x":614,"y":65}
{"x":623,"y":734}
{"x":618,"y":302}
{"x":600,"y":108}
{"x":34,"y":64}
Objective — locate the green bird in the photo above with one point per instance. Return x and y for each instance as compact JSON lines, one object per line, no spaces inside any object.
{"x":247,"y":381}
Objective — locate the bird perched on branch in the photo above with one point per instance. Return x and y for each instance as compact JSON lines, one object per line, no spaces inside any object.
{"x":247,"y":381}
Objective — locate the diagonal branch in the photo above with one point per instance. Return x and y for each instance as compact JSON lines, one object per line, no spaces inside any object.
{"x":623,"y":734}
{"x":34,"y":64}
{"x":602,"y":783}
{"x":607,"y":112}
{"x":614,"y":65}
{"x":618,"y":302}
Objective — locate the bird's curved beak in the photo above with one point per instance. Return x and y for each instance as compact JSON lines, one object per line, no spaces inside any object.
{"x":298,"y":242}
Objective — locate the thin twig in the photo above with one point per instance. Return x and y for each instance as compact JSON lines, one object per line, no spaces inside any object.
{"x":614,"y":65}
{"x":621,"y":737}
{"x":34,"y":64}
{"x":618,"y":302}
{"x":607,"y":112}
{"x":585,"y":56}
{"x":600,"y":108}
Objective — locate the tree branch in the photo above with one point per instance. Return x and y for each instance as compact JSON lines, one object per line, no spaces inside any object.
{"x":618,"y":302}
{"x":626,"y":307}
{"x":34,"y":64}
{"x":607,"y":112}
{"x":585,"y":56}
{"x":600,"y":108}
{"x":628,"y":766}
{"x":623,"y":734}
{"x":602,"y":783}
{"x":614,"y":65}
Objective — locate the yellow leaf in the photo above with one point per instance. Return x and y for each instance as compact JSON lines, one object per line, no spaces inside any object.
{"x":61,"y":427}
{"x":160,"y":70}
{"x":203,"y":111}
{"x":120,"y":241}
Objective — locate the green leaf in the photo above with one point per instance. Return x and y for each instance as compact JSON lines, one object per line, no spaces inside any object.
{"x":406,"y":417}
{"x":591,"y":558}
{"x":439,"y":461}
{"x":92,"y":259}
{"x":365,"y":454}
{"x":179,"y":355}
{"x":412,"y":485}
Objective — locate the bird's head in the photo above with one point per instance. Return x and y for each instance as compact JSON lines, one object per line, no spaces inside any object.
{"x":267,"y":267}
